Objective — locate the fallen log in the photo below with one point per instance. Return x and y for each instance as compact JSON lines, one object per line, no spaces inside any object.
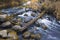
{"x":31,"y":22}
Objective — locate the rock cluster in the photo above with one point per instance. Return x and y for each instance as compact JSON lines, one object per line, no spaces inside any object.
{"x":11,"y":24}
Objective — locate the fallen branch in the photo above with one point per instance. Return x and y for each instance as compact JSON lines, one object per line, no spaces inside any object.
{"x":32,"y":21}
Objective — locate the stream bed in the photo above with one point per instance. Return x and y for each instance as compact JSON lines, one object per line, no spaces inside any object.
{"x":53,"y":26}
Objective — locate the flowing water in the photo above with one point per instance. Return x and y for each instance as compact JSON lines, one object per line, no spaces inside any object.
{"x":53,"y":31}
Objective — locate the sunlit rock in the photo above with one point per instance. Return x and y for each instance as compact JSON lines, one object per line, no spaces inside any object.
{"x":13,"y":35}
{"x":8,"y":35}
{"x":3,"y":16}
{"x":3,"y":33}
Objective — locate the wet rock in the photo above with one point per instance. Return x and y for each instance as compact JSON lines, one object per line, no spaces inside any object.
{"x":13,"y":35}
{"x":33,"y":36}
{"x":36,"y":36}
{"x":16,"y":21}
{"x":44,"y":27}
{"x":5,"y":24}
{"x":19,"y":19}
{"x":25,"y":14}
{"x":8,"y":35}
{"x":3,"y":33}
{"x":26,"y":34}
{"x":17,"y":27}
{"x":33,"y":14}
{"x":2,"y":17}
{"x":27,"y":19}
{"x":37,"y":24}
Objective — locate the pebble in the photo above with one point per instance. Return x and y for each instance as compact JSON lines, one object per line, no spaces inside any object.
{"x":5,"y":24}
{"x":44,"y":27}
{"x":33,"y":14}
{"x":36,"y":36}
{"x":16,"y":27}
{"x":26,"y":34}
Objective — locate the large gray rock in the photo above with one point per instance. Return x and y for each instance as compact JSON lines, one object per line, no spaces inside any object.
{"x":3,"y":33}
{"x":5,"y":24}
